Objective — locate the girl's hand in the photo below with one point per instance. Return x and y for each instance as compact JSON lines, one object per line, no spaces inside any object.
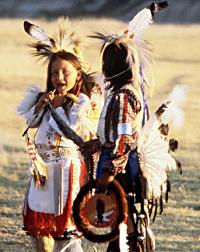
{"x":51,"y":95}
{"x":43,"y":101}
{"x":58,"y":101}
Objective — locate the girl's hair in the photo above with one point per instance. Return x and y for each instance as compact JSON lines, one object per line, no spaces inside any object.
{"x":86,"y":82}
{"x":117,"y":60}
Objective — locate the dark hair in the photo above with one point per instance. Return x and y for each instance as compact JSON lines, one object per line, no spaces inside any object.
{"x":117,"y":58}
{"x":86,"y":82}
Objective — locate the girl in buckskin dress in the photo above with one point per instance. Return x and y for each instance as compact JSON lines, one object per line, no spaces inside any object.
{"x":48,"y":210}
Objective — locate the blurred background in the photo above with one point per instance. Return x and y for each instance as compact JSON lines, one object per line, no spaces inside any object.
{"x":175,"y":38}
{"x":181,"y":11}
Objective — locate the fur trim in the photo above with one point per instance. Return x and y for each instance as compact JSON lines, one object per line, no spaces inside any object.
{"x":30,"y":98}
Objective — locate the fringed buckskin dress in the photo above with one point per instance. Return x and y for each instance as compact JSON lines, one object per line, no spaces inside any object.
{"x":48,"y":212}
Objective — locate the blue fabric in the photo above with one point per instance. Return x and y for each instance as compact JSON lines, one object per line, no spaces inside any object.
{"x":103,"y":157}
{"x":132,"y":167}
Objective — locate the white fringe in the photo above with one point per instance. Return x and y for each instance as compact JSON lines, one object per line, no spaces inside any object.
{"x":123,"y":238}
{"x":150,"y":240}
{"x":72,"y":240}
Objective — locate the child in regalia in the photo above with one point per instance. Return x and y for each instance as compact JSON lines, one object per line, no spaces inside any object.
{"x":47,"y":213}
{"x":132,"y":149}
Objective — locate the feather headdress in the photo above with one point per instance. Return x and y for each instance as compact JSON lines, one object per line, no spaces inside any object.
{"x":132,"y":37}
{"x":46,"y":46}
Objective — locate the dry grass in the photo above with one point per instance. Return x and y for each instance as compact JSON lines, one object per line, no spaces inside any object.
{"x":177,"y":60}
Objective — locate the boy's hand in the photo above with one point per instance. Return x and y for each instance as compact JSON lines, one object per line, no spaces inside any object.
{"x":104,"y":180}
{"x":90,"y":146}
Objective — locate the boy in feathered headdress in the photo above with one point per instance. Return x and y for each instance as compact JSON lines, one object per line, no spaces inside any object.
{"x":138,"y":157}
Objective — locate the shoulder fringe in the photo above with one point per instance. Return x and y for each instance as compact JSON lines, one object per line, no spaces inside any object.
{"x":30,"y":98}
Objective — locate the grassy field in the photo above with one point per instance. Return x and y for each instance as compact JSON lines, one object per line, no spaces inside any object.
{"x":176,"y":61}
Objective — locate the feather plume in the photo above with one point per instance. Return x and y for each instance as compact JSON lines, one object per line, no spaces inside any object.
{"x":140,"y":23}
{"x":46,"y":46}
{"x":65,"y":38}
{"x":39,"y":164}
{"x":107,"y":38}
{"x":144,"y":18}
{"x":39,"y":172}
{"x":30,"y":98}
{"x":101,"y":36}
{"x":38,"y":169}
{"x":136,"y":28}
{"x":36,"y":32}
{"x":174,"y":114}
{"x":140,"y":49}
{"x":42,"y":51}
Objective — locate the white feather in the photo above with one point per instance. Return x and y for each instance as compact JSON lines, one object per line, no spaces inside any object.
{"x":140,"y":22}
{"x":29,"y":100}
{"x":38,"y":33}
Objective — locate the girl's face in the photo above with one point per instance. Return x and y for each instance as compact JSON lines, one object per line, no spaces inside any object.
{"x":63,"y":75}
